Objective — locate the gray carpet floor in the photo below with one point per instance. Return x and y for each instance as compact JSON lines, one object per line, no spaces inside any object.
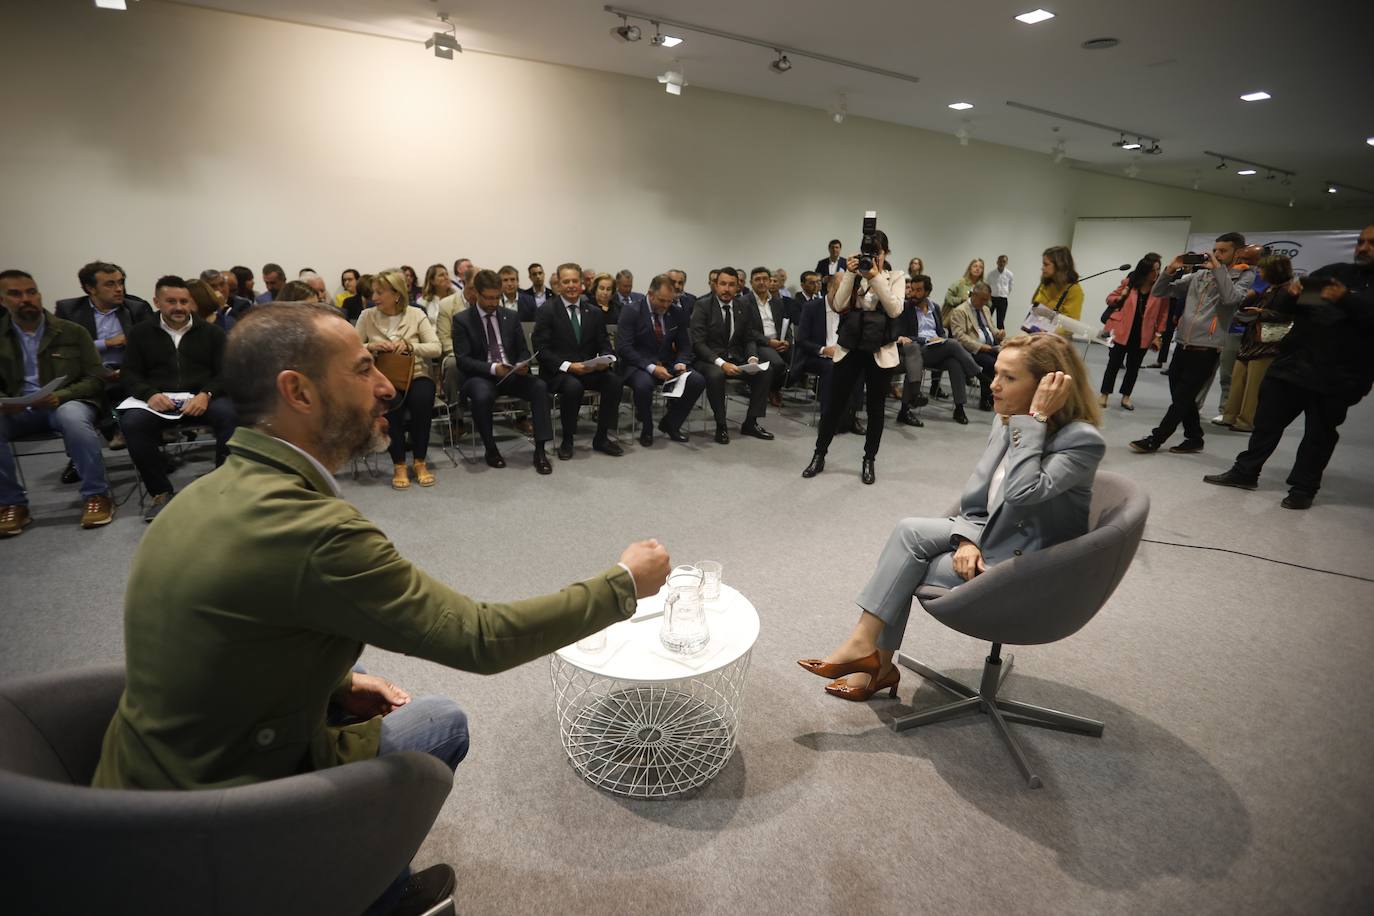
{"x":1234,"y":774}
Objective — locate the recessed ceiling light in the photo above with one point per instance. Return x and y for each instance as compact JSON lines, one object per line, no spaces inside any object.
{"x":669,"y":41}
{"x":1246,"y":172}
{"x":1255,"y":96}
{"x":1331,"y":189}
{"x":1369,"y":140}
{"x":1035,"y":16}
{"x":111,"y":4}
{"x":1133,"y":144}
{"x":961,"y":106}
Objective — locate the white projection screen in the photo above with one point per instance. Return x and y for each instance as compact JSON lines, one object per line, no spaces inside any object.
{"x":1101,"y":242}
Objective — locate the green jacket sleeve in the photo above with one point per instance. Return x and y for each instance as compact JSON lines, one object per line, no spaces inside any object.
{"x":357,"y":585}
{"x":87,"y":387}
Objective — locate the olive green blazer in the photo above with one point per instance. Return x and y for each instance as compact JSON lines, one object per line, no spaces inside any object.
{"x":250,"y":598}
{"x":65,"y":349}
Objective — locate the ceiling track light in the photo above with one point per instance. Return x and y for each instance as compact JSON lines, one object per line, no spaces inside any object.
{"x":663,"y":41}
{"x":111,"y":5}
{"x":627,"y":30}
{"x":962,"y":134}
{"x":1122,"y":133}
{"x":673,"y":81}
{"x":444,"y":43}
{"x":1248,"y":168}
{"x":839,"y":110}
{"x":782,"y":64}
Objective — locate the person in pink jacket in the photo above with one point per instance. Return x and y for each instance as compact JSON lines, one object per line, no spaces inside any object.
{"x":1135,"y":325}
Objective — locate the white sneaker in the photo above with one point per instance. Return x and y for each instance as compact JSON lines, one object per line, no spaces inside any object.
{"x":1219,"y":420}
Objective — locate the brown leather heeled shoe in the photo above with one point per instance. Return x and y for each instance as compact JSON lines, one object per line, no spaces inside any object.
{"x":866,"y":665}
{"x":875,"y":685}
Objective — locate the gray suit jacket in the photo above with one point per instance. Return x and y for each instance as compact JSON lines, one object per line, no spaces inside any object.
{"x":1045,"y":494}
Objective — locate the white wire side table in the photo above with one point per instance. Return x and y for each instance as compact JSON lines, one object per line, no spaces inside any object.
{"x":637,"y":720}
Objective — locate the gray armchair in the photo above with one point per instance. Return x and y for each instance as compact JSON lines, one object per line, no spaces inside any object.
{"x":327,"y":842}
{"x":1040,"y":597}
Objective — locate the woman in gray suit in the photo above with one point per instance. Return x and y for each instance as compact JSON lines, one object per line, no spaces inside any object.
{"x":1031,"y":489}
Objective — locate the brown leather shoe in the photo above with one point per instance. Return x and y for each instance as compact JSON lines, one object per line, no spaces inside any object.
{"x":99,"y":511}
{"x":13,"y":520}
{"x":876,"y":684}
{"x":866,"y":665}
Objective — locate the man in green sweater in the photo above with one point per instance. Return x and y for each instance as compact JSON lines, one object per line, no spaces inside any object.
{"x":322,"y":581}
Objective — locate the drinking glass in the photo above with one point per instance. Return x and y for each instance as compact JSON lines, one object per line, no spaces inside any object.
{"x":592,"y":644}
{"x":710,"y":579}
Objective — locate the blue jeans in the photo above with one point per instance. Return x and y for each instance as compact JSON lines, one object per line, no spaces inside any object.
{"x":434,"y":725}
{"x":76,"y":422}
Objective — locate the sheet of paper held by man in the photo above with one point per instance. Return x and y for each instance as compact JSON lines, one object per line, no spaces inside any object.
{"x":28,"y":400}
{"x":178,"y":399}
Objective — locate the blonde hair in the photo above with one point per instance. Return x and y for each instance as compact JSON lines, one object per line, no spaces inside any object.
{"x":596,"y":281}
{"x":968,"y":271}
{"x":393,"y":279}
{"x":1046,"y":353}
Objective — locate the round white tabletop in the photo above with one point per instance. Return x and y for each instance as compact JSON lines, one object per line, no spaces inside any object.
{"x":639,"y":720}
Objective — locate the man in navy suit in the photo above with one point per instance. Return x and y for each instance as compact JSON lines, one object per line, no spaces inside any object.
{"x":817,"y":336}
{"x":726,"y":333}
{"x":570,"y":331}
{"x":512,"y":297}
{"x":625,"y":290}
{"x":683,"y":298}
{"x":655,"y":348}
{"x":490,"y":347}
{"x":274,"y":278}
{"x":827,"y":267}
{"x":537,"y":292}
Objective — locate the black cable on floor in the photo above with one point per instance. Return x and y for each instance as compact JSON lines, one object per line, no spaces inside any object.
{"x":1254,"y":556}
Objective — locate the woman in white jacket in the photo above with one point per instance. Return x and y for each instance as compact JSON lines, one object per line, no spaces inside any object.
{"x":868,"y":302}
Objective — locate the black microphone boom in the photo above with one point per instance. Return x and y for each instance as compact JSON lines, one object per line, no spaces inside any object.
{"x":1107,"y":271}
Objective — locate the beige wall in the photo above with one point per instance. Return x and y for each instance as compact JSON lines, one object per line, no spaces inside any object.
{"x":174,"y":138}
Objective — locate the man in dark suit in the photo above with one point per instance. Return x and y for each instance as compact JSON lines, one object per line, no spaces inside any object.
{"x":682,"y":298}
{"x":177,"y":354}
{"x":489,"y":347}
{"x":827,"y":267}
{"x":909,"y":347}
{"x":772,"y":309}
{"x":511,"y":296}
{"x":569,"y":332}
{"x":625,"y":293}
{"x":655,"y":348}
{"x":537,"y":292}
{"x":815,"y":351}
{"x":220,"y":281}
{"x":726,"y":333}
{"x":274,"y":278}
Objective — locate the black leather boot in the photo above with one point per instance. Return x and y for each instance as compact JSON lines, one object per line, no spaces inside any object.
{"x":816,"y":466}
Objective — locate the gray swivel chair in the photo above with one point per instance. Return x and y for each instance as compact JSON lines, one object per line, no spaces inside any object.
{"x":1040,"y":597}
{"x":327,"y":842}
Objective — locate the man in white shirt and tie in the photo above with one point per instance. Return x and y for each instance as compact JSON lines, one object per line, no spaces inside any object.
{"x":1000,"y":282}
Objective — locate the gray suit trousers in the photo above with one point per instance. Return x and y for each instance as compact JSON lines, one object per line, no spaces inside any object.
{"x":917,"y":553}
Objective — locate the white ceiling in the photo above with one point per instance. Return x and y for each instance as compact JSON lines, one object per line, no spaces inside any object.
{"x":1177,"y":74}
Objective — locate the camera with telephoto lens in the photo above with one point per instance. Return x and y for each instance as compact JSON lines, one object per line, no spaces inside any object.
{"x":868,"y":245}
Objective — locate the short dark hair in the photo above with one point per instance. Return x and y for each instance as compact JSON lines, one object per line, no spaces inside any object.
{"x":484,"y":280}
{"x":270,"y":268}
{"x":759,"y":270}
{"x":508,"y":269}
{"x":809,"y":273}
{"x":1235,"y":238}
{"x":833,"y":242}
{"x":924,"y":280}
{"x":209,"y":275}
{"x":266,"y":342}
{"x":348,"y":270}
{"x":15,"y":273}
{"x":534,"y":264}
{"x":660,"y":281}
{"x":568,"y":265}
{"x":295,"y":291}
{"x":624,"y":272}
{"x":725,"y":270}
{"x":169,"y":281}
{"x":86,"y":275}
{"x":243,"y":275}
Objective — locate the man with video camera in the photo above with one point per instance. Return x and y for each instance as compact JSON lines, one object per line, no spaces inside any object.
{"x":1213,"y":291}
{"x":1322,"y":370}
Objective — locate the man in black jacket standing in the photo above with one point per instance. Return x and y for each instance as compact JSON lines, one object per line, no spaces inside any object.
{"x":173,"y":365}
{"x":1322,"y":370}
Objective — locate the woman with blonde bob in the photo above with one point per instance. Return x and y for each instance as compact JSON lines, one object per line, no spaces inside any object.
{"x":1030,"y":490}
{"x":393,"y":325}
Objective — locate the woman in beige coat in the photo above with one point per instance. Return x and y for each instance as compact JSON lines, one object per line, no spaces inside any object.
{"x":392,"y":325}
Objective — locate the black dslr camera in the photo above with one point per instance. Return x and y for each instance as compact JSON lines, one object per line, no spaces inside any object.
{"x":868,"y":244}
{"x":1192,"y":259}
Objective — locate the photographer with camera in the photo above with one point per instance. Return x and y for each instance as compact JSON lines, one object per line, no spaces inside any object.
{"x":1212,"y":290}
{"x":868,"y":297}
{"x":1322,"y":370}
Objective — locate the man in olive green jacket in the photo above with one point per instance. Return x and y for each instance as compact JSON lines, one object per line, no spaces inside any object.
{"x":35,"y":349}
{"x":231,"y":667}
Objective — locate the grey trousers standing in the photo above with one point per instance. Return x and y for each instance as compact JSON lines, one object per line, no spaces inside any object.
{"x":918,"y":552}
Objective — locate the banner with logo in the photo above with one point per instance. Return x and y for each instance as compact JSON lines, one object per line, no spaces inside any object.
{"x":1307,"y":250}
